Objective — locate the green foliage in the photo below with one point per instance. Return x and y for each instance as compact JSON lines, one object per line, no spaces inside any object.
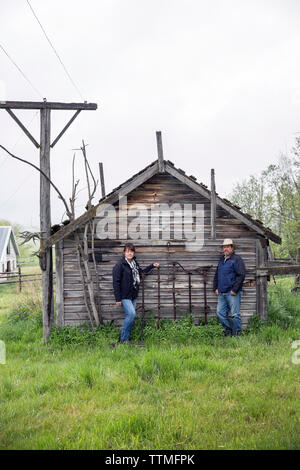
{"x":188,"y":388}
{"x":23,"y":322}
{"x":26,"y":249}
{"x":283,"y":307}
{"x":254,"y":324}
{"x":83,"y":335}
{"x":283,"y":316}
{"x":274,"y":198}
{"x":157,"y":366}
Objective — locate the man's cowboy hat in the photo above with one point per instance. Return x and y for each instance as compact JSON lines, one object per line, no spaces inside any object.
{"x":228,"y":241}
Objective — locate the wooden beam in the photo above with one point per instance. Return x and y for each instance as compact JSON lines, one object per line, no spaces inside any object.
{"x":17,"y":120}
{"x":102,"y":179}
{"x":67,"y":229}
{"x":65,"y":128}
{"x":47,"y":105}
{"x":59,"y":262}
{"x":161,"y":166}
{"x":287,"y":269}
{"x":212,"y":205}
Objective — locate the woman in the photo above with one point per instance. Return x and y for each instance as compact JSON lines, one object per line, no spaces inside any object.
{"x":126,"y":281}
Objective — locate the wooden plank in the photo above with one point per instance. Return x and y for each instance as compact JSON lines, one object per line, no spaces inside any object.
{"x":287,"y":269}
{"x":102,"y":179}
{"x":65,"y":128}
{"x":59,"y":260}
{"x":47,"y":105}
{"x":17,"y":120}
{"x":161,"y":166}
{"x":70,"y":228}
{"x":213,"y":205}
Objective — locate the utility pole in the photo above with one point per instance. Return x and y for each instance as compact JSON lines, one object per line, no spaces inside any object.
{"x":212,"y":204}
{"x":45,"y":145}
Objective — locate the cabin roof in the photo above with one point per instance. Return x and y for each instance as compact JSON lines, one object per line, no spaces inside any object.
{"x":146,"y":173}
{"x":6,"y":234}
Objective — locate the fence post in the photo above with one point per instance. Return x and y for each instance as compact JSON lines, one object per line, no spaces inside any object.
{"x":158,"y":295}
{"x":297,"y":277}
{"x":20,"y":278}
{"x":143,"y":303}
{"x":173,"y":291}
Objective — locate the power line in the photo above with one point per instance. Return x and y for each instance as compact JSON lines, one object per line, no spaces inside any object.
{"x":55,"y":52}
{"x":18,"y":188}
{"x":21,"y":71}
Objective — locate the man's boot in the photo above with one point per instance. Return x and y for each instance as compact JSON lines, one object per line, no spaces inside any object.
{"x":228,"y":332}
{"x":236,"y":333}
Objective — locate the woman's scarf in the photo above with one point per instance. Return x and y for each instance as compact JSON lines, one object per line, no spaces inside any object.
{"x":135,"y":272}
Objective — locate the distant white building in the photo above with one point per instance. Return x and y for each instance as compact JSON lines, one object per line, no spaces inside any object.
{"x":9,"y":250}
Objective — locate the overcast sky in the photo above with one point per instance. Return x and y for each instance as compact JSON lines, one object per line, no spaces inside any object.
{"x":220,"y":79}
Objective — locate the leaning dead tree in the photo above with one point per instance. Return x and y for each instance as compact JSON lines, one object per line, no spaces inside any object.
{"x":82,"y":247}
{"x":88,"y":270}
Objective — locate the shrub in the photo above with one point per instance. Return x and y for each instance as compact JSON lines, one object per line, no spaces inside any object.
{"x":283,"y":307}
{"x":83,"y":335}
{"x":24,"y":320}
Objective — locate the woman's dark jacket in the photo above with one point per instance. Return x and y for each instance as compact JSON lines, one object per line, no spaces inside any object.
{"x":123,"y":279}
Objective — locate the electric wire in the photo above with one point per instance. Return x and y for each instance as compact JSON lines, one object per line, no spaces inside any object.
{"x":21,"y":71}
{"x":55,"y":51}
{"x":18,"y":188}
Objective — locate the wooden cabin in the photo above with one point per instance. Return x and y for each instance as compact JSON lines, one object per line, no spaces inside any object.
{"x":183,"y":284}
{"x":9,"y":252}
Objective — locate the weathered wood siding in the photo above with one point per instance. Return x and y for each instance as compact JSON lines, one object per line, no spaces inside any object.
{"x":162,"y":188}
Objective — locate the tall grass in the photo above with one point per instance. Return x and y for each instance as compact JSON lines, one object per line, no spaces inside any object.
{"x":188,"y":388}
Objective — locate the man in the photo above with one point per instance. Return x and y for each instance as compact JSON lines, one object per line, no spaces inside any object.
{"x":228,"y":282}
{"x":126,"y":281}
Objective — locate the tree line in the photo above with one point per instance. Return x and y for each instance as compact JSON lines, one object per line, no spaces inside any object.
{"x":273,"y":197}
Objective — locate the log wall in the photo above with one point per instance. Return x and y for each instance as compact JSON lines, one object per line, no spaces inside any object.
{"x":161,"y":188}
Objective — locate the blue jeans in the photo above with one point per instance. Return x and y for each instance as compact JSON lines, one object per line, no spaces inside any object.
{"x":129,"y":309}
{"x":232,"y":303}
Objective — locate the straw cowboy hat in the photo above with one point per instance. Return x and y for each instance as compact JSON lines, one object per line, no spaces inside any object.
{"x":228,"y":241}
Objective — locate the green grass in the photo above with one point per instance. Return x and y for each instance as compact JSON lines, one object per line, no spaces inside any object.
{"x":189,"y":388}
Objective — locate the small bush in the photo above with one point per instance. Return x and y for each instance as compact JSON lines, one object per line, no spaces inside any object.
{"x":182,"y":331}
{"x":24,"y":320}
{"x":254,"y":324}
{"x":83,"y":335}
{"x":156,"y":365}
{"x":270,"y":334}
{"x":283,"y":307}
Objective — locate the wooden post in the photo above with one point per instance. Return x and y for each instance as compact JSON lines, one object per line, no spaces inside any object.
{"x":45,"y":224}
{"x":212,"y":205}
{"x":102,"y":179}
{"x":20,"y":278}
{"x":160,"y":152}
{"x":297,"y":277}
{"x":46,"y":260}
{"x":59,"y":269}
{"x":261,"y":281}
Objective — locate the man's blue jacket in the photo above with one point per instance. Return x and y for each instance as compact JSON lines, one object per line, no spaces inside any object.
{"x":230,"y":274}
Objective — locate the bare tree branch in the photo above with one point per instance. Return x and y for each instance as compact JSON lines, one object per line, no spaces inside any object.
{"x":38,"y":169}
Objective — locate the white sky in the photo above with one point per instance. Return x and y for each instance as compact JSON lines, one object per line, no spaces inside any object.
{"x":220,"y":79}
